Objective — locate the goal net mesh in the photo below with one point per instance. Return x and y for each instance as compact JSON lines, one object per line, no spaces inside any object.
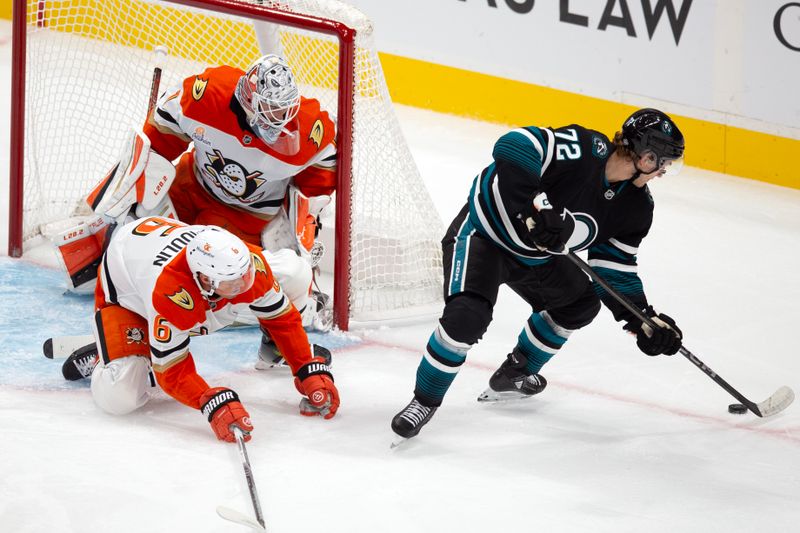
{"x":89,"y":65}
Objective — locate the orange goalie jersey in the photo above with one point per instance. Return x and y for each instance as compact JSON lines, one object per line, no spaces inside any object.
{"x":145,"y":271}
{"x":229,"y":160}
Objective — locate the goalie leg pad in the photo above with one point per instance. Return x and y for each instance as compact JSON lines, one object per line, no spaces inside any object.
{"x":293,"y":274}
{"x":80,"y":250}
{"x":141,"y":177}
{"x":120,"y":333}
{"x":164,"y":209}
{"x":279,"y":233}
{"x":123,"y":385}
{"x":303,"y":214}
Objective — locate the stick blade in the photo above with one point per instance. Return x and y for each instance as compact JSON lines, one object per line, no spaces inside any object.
{"x":236,"y":517}
{"x":64,"y":346}
{"x":47,"y":348}
{"x":776,"y":403}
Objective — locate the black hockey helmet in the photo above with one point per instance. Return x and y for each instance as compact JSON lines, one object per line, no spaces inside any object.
{"x":650,"y":130}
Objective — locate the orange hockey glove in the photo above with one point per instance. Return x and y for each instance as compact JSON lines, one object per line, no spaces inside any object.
{"x":314,"y":380}
{"x":223,"y":409}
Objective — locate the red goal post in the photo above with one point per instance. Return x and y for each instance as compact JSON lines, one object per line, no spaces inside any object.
{"x":383,"y":267}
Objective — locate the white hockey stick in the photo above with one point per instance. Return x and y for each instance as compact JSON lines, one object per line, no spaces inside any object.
{"x":776,"y":403}
{"x":236,"y":516}
{"x":60,"y":347}
{"x":66,"y":345}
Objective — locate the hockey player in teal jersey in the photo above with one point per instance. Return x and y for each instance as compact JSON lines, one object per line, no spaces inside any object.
{"x":547,"y":191}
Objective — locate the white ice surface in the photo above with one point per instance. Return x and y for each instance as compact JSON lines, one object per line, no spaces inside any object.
{"x":619,"y":441}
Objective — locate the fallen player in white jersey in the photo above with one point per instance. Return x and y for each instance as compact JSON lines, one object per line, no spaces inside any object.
{"x":162,"y":281}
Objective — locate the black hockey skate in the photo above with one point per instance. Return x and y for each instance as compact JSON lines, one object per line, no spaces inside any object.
{"x":81,"y":363}
{"x":512,"y":382}
{"x":270,"y":357}
{"x":409,"y":421}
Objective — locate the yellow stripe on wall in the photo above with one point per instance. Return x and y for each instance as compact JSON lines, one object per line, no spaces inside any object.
{"x":709,"y":145}
{"x":5,"y":9}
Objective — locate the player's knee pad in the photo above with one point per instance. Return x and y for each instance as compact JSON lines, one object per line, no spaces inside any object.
{"x":293,"y":274}
{"x":579,"y":313}
{"x":122,"y":385}
{"x":466,"y":317}
{"x":120,"y":333}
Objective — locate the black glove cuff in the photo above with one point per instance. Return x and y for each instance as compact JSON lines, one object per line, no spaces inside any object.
{"x":314,"y":368}
{"x":215,"y":403}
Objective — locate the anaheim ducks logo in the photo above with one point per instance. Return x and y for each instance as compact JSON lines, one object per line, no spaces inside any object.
{"x":258,"y":264}
{"x":199,"y":88}
{"x":134,"y":335}
{"x":183,"y":299}
{"x":317,"y":133}
{"x":234,"y":180}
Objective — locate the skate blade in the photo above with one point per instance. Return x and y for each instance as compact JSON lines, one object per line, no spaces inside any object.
{"x":398,"y":441}
{"x":264,"y":365}
{"x":490,"y":395}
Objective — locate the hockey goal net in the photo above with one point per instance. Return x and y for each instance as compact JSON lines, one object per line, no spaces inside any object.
{"x":82,"y":71}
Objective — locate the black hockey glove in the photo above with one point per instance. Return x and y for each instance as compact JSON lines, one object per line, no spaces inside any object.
{"x":666,"y":339}
{"x":545,"y":225}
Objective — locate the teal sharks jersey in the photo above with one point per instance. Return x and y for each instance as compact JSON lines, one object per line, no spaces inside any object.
{"x":567,"y":163}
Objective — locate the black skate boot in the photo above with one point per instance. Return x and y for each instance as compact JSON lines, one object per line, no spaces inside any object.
{"x":270,"y":357}
{"x":512,"y":382}
{"x":80,"y":364}
{"x":410,"y":420}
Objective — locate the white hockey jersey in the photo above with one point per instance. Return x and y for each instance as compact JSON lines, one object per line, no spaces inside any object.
{"x":145,"y":271}
{"x":231,"y":162}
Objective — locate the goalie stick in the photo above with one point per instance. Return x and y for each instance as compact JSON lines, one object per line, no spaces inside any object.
{"x":780,"y":399}
{"x":233,"y":515}
{"x":160,"y":53}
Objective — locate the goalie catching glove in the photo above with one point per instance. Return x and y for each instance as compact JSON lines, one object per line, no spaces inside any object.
{"x":315,"y":381}
{"x":665,"y":339}
{"x":223,"y":409}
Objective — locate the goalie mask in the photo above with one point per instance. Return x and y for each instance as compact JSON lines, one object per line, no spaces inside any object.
{"x":655,"y":138}
{"x":268,"y":94}
{"x":220,"y":262}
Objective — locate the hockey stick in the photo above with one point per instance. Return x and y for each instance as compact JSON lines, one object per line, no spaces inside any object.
{"x":776,"y":403}
{"x":235,"y":516}
{"x":160,"y":54}
{"x":66,"y":345}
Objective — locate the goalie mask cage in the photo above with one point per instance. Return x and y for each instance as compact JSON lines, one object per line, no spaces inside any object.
{"x":81,"y":78}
